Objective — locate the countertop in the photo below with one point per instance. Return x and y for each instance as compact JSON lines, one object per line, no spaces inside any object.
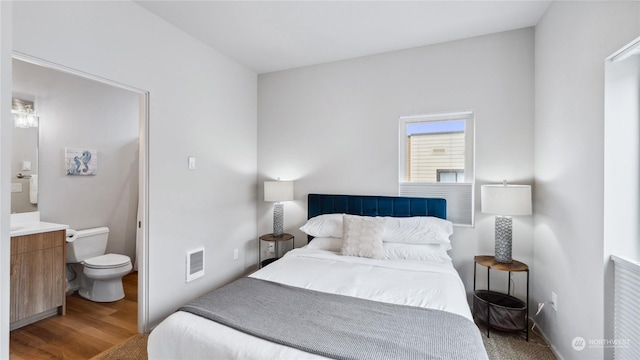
{"x":35,"y":228}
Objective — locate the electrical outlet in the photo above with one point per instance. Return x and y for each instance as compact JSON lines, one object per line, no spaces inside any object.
{"x":235,"y":254}
{"x":554,"y":301}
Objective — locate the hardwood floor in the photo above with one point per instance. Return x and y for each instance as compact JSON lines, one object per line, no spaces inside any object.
{"x":86,"y":330}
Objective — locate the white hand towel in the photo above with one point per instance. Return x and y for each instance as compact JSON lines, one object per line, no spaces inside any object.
{"x":33,"y":189}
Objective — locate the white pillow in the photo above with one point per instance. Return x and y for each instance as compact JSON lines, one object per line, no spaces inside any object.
{"x":408,"y":230}
{"x":417,"y":230}
{"x":326,"y":243}
{"x":327,"y":225}
{"x":420,"y":252}
{"x":362,"y":236}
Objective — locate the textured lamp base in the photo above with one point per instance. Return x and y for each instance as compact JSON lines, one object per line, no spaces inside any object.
{"x":278,"y":219}
{"x":503,"y":239}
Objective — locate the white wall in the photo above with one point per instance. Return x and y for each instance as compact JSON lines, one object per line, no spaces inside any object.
{"x":333,"y":128}
{"x":202,"y":104}
{"x":76,"y":112}
{"x":572,"y":41}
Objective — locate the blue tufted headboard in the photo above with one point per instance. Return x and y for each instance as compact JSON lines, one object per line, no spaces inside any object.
{"x":375,"y":206}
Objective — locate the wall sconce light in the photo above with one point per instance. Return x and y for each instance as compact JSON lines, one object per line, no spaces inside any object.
{"x":24,"y":116}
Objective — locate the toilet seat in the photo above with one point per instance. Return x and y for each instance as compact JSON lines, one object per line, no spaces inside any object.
{"x":108,"y":261}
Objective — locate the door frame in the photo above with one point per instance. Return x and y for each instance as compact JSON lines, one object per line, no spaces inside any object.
{"x":142,"y":248}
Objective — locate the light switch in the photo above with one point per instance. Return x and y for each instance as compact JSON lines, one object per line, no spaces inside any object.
{"x":26,"y":165}
{"x":16,"y":187}
{"x":192,"y":163}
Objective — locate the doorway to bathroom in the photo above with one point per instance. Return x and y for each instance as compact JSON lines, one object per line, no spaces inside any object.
{"x":80,"y":113}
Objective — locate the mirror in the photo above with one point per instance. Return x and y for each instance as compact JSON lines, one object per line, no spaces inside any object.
{"x":25,"y":140}
{"x":24,"y":160}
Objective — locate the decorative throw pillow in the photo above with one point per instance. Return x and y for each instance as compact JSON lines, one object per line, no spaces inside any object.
{"x":362,"y":236}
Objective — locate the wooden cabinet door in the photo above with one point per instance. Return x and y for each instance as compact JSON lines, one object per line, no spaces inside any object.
{"x":15,"y":287}
{"x":40,"y":277}
{"x":37,"y":274}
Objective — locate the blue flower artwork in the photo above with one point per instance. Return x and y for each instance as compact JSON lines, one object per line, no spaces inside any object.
{"x":81,"y":161}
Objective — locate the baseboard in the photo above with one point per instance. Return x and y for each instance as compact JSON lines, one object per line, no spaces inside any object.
{"x":33,"y":318}
{"x":539,"y":330}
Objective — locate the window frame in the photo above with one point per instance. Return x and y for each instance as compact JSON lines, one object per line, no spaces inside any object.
{"x":469,"y":117}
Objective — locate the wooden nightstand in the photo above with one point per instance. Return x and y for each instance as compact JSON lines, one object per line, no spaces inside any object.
{"x":497,"y":310}
{"x":277,"y":247}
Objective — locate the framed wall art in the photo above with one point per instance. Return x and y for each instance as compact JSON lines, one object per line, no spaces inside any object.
{"x":79,"y":161}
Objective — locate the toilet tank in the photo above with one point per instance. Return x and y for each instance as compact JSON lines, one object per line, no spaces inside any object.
{"x":84,"y":244}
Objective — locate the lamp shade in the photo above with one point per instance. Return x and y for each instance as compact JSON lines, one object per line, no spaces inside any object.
{"x":506,"y":199}
{"x":275,"y":191}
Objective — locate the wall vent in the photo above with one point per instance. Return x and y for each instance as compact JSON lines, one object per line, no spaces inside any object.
{"x":195,"y":264}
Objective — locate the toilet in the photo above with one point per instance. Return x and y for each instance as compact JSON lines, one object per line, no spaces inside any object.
{"x":97,"y":276}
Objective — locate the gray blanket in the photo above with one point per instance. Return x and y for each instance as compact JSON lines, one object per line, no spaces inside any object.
{"x":339,"y":327}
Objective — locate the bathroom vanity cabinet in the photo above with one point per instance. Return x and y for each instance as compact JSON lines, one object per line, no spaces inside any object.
{"x":37,"y":277}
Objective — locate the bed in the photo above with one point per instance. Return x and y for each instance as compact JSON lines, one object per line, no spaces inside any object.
{"x":315,"y":303}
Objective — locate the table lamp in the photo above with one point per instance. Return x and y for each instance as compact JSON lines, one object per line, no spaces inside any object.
{"x":505,"y":200}
{"x":278,"y":191}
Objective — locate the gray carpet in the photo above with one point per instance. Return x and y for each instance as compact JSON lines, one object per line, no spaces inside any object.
{"x":514,"y":346}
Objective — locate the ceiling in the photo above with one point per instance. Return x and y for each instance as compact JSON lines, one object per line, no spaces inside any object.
{"x":268,"y":36}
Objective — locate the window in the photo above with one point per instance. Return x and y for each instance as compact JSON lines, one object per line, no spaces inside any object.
{"x":436,"y":160}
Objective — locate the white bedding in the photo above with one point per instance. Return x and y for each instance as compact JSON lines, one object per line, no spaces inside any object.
{"x":417,"y":283}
